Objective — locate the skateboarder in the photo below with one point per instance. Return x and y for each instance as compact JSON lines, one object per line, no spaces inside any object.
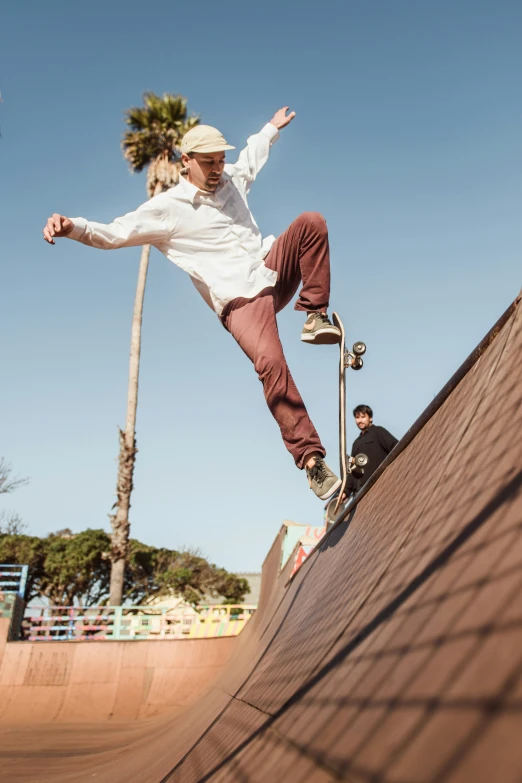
{"x":204,"y":225}
{"x":374,"y":441}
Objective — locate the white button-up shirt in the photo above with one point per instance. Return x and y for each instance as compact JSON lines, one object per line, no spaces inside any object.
{"x":212,"y":236}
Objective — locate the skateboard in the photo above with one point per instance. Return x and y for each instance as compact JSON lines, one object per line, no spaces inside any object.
{"x":349,"y":465}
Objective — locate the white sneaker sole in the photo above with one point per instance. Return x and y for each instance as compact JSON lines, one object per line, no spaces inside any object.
{"x":331,"y":491}
{"x":327,"y":336}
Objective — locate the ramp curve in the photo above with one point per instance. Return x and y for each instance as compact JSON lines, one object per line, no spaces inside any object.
{"x":395,"y":652}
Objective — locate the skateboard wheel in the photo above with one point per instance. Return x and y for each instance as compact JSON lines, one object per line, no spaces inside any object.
{"x":358,"y":363}
{"x":360,"y":460}
{"x":359,"y":349}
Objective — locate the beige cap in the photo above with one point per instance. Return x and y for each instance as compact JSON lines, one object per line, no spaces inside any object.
{"x":204,"y":138}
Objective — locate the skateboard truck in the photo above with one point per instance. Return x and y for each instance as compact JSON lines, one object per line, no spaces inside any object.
{"x":354,"y":467}
{"x":357,"y":464}
{"x":353,"y":358}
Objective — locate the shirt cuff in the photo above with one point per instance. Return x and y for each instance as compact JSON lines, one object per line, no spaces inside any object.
{"x":79,"y":226}
{"x":270,"y":131}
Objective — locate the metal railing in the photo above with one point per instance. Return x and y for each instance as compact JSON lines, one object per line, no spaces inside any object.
{"x":101,"y":623}
{"x":13,"y":579}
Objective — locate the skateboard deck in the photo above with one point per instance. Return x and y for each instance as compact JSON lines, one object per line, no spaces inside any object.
{"x":348,"y":465}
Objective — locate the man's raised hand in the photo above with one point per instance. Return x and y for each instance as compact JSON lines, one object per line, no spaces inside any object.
{"x":57,"y":226}
{"x":280,"y":118}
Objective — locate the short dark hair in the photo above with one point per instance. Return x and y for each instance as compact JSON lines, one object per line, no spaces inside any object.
{"x":363,"y":409}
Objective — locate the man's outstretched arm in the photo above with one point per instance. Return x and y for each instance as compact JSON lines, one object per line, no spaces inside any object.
{"x":147,"y":225}
{"x":254,"y":156}
{"x":281,"y":119}
{"x":57,"y":226}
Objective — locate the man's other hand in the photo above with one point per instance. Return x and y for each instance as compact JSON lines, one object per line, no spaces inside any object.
{"x":280,"y":118}
{"x":57,"y":226}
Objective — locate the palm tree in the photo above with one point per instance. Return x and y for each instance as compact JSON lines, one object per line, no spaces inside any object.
{"x":152,"y":142}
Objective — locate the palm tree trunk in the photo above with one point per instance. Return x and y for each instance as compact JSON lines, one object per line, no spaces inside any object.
{"x":120,"y":520}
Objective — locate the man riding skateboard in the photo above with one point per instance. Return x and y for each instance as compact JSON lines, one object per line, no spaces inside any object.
{"x":204,"y":225}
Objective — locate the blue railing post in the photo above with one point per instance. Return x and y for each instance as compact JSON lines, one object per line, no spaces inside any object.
{"x":23,"y":581}
{"x":13,"y":579}
{"x":116,"y":627}
{"x":71,"y":625}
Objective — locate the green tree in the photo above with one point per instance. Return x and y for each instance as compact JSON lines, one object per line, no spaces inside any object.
{"x":70,"y":569}
{"x":155,"y":572}
{"x":25,"y":550}
{"x":233,"y":588}
{"x":76,"y":569}
{"x":65,"y":569}
{"x":152,"y":142}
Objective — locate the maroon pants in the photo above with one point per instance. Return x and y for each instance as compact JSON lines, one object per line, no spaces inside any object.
{"x":300,"y":254}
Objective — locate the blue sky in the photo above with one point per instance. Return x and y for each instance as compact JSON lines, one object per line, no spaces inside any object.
{"x":407,"y":139}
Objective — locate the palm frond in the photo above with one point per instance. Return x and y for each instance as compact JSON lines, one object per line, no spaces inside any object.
{"x":154,"y":135}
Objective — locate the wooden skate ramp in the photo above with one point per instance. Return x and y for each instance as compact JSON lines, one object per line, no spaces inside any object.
{"x":64,"y":682}
{"x":393,"y":655}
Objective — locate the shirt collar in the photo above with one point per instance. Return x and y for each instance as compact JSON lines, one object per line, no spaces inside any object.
{"x":190,"y":191}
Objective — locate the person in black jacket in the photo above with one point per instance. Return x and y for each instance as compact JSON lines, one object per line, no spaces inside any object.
{"x":374,"y":441}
